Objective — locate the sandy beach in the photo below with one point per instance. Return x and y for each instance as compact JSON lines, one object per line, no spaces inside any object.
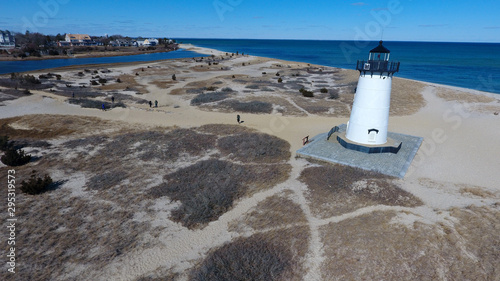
{"x":444,"y":223}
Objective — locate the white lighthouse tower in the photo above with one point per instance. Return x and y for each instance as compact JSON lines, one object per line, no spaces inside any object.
{"x":370,"y":111}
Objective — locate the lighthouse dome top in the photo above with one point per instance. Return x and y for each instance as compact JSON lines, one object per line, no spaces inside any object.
{"x":378,"y":62}
{"x":380,"y":49}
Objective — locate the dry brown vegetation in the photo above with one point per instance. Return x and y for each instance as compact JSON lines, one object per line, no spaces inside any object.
{"x":223,"y":130}
{"x":263,"y":94}
{"x":476,"y":191}
{"x":207,"y":189}
{"x":277,"y":211}
{"x":128,"y":82}
{"x":463,"y":97}
{"x":255,"y":147}
{"x":406,"y":97}
{"x":336,"y":189}
{"x":61,"y":230}
{"x":12,"y":94}
{"x":371,"y":247}
{"x":92,"y":222}
{"x":273,"y":255}
{"x":255,"y":106}
{"x":39,"y":127}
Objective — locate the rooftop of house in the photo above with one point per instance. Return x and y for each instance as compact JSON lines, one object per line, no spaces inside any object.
{"x":78,"y":36}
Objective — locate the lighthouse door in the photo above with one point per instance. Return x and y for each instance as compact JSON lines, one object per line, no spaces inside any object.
{"x":372,"y":135}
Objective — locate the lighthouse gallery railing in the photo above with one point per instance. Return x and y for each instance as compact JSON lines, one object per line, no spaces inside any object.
{"x":377,"y":66}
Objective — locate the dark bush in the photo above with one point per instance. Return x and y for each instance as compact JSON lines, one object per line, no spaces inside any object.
{"x":211,"y":88}
{"x":103,"y":80}
{"x":253,"y":86}
{"x":118,"y":80}
{"x":334,"y":94}
{"x":15,"y":157}
{"x":93,"y":82}
{"x":324,"y":90}
{"x":4,"y":143}
{"x":30,"y":79}
{"x":88,"y":103}
{"x":306,"y":93}
{"x":249,"y":107}
{"x":280,"y":80}
{"x":174,"y":77}
{"x":36,"y":185}
{"x":209,"y":97}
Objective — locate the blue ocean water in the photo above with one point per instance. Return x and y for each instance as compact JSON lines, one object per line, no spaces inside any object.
{"x":468,"y":65}
{"x":28,"y":65}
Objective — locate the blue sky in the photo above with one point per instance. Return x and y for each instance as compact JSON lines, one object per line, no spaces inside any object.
{"x":398,"y":20}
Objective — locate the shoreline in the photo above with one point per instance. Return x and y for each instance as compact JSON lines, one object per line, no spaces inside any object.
{"x":94,"y":54}
{"x":209,"y":51}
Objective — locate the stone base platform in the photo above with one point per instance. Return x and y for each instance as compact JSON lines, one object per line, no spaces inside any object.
{"x":391,"y":146}
{"x":392,"y":164}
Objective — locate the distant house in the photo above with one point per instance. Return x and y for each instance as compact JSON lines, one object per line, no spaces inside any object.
{"x":63,"y":44}
{"x":7,"y":40}
{"x":139,"y":43}
{"x":150,"y":42}
{"x":146,"y":43}
{"x":77,"y":40}
{"x":120,"y":43}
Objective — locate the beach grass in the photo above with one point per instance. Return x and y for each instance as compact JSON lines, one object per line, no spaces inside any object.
{"x":334,"y":190}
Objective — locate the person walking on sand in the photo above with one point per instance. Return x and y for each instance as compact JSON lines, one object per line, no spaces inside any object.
{"x":150,"y":104}
{"x":156,"y":103}
{"x":103,"y":107}
{"x":238,"y":118}
{"x":112,"y":99}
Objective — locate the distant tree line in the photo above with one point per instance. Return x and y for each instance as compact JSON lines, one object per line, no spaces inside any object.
{"x":37,"y":44}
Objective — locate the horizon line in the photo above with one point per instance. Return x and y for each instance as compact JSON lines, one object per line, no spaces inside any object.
{"x":291,"y":39}
{"x":295,"y":39}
